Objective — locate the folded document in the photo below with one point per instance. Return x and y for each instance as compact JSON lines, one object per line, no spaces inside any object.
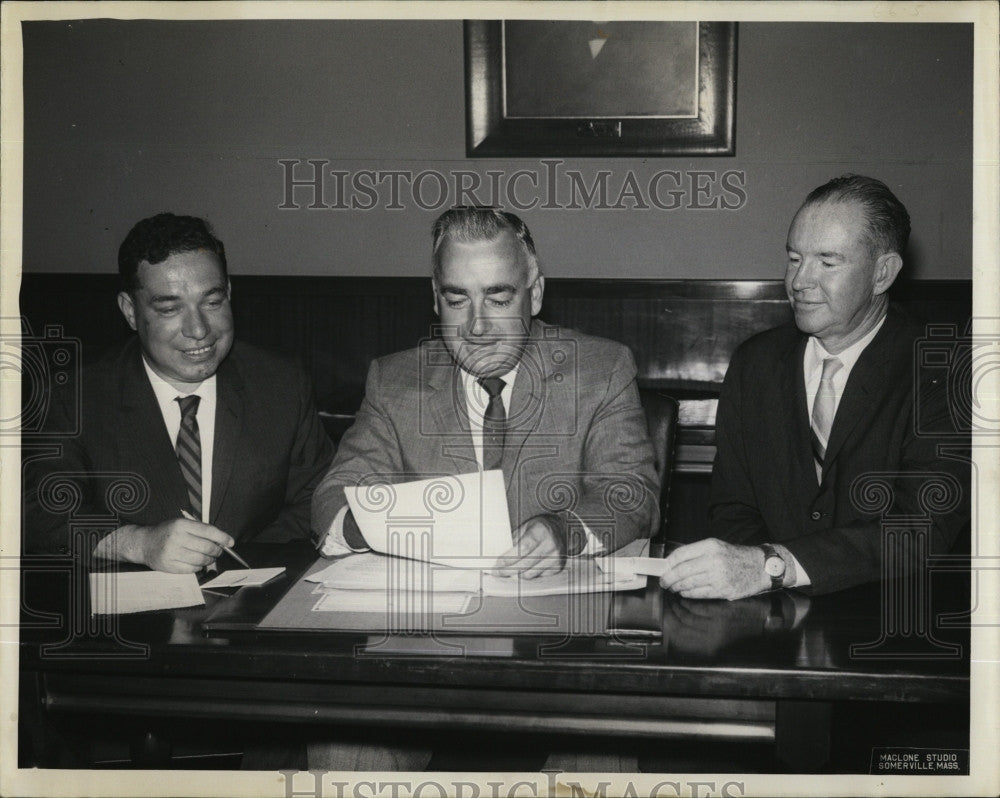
{"x":443,"y":519}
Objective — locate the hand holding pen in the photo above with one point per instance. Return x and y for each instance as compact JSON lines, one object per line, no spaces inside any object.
{"x":227,"y":549}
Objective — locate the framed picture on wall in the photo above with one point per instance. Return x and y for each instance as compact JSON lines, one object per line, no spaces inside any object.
{"x":574,"y":88}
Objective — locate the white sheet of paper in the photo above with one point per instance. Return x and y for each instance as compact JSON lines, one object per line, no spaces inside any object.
{"x":141,"y":591}
{"x":566,"y":582}
{"x":250,"y":577}
{"x":623,"y":566}
{"x":397,"y":604}
{"x":371,"y":571}
{"x":458,"y":520}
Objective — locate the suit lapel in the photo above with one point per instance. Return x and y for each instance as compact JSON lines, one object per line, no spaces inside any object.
{"x":794,"y":385}
{"x":446,"y":410}
{"x":869,"y":379}
{"x":538,"y":401}
{"x":145,"y":439}
{"x":527,"y":406}
{"x":228,"y":428}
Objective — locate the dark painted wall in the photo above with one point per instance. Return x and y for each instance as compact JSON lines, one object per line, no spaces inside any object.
{"x":127,"y":118}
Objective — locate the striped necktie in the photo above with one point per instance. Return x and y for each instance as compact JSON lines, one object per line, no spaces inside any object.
{"x":824,"y":409}
{"x":189,"y":451}
{"x":494,"y":422}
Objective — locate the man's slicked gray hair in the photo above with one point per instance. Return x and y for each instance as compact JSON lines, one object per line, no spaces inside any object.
{"x":888,"y":223}
{"x":482,"y":223}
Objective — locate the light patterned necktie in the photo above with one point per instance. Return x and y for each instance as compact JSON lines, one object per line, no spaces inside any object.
{"x":824,"y":409}
{"x":494,"y":423}
{"x":189,"y":451}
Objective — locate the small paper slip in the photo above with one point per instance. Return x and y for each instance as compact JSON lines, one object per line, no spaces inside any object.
{"x":141,"y":591}
{"x":623,"y":566}
{"x":251,"y":577}
{"x":456,"y":520}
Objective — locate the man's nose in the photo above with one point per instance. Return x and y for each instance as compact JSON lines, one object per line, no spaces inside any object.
{"x":481,"y":324}
{"x":195,"y":325}
{"x":804,"y":276}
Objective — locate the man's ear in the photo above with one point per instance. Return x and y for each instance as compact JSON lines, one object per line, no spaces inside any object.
{"x":886,"y":268}
{"x":437,"y":297}
{"x":229,"y":289}
{"x":537,"y":292}
{"x":127,"y":306}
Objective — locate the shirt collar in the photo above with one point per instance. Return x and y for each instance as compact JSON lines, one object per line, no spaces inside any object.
{"x":471,"y":380}
{"x":816,"y":353}
{"x":166,"y":393}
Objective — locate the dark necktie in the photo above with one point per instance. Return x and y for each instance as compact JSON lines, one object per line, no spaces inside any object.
{"x":494,"y":423}
{"x":189,"y":452}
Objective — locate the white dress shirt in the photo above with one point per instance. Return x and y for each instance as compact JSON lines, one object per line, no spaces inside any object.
{"x":812,"y":370}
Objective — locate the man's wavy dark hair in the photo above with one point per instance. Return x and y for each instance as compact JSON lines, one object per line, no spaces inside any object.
{"x":155,"y":239}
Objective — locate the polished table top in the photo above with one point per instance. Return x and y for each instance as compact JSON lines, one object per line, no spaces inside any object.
{"x":841,"y":646}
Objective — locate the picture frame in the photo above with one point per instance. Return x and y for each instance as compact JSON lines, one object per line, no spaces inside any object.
{"x":529,"y":95}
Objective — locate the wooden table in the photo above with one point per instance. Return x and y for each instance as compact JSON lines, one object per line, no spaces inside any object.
{"x":766,"y":669}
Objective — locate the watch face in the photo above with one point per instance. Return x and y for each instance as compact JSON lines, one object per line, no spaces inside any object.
{"x":774,"y":566}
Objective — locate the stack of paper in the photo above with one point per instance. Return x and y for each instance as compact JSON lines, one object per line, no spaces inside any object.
{"x":140,"y":591}
{"x":393,"y":575}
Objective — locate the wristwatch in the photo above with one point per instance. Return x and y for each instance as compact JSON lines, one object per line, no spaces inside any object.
{"x":774,"y":565}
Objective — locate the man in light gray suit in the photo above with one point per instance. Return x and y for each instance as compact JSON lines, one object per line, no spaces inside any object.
{"x":558,"y":411}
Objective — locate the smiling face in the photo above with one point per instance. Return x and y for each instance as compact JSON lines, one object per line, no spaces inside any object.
{"x":182,"y":314}
{"x":834,"y":282}
{"x":485,"y":301}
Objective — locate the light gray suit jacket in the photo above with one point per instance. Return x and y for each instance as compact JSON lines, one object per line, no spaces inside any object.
{"x":576,"y":442}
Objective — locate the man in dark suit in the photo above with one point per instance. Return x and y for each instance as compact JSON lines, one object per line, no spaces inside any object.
{"x":808,"y":410}
{"x":220,"y":440}
{"x":557,"y":411}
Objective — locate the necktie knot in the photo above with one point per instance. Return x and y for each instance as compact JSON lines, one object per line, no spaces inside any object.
{"x":831,"y":366}
{"x":492,"y":385}
{"x":189,"y":405}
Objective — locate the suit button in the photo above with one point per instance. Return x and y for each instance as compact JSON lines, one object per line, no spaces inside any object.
{"x":816,"y":515}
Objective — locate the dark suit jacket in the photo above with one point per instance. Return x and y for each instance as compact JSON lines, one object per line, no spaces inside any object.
{"x":576,"y":438}
{"x":764,"y":485}
{"x":270,"y":451}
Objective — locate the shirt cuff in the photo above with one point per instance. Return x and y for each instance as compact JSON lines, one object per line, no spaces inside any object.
{"x":799,"y":576}
{"x":334,"y":544}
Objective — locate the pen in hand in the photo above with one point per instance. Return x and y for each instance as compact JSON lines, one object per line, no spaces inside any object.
{"x":226,"y":549}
